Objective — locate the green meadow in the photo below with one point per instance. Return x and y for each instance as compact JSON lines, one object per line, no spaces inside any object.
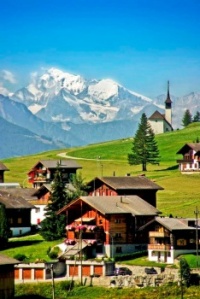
{"x":181,"y":192}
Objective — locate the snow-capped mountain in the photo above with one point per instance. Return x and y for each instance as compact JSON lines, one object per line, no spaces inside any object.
{"x":59,"y":97}
{"x":72,"y":111}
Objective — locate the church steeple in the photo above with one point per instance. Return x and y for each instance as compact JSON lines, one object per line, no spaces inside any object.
{"x":168,"y":106}
{"x":168,"y":101}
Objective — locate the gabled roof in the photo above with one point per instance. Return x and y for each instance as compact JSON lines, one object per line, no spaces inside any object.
{"x":5,"y":260}
{"x":53,"y":164}
{"x":157,"y":115}
{"x":48,"y":188}
{"x":172,"y":223}
{"x":14,"y":200}
{"x":3,"y":167}
{"x":128,"y":183}
{"x":133,"y":205}
{"x":188,"y":146}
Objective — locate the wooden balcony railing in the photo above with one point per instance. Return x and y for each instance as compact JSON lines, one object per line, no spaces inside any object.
{"x":157,"y":234}
{"x":159,"y":246}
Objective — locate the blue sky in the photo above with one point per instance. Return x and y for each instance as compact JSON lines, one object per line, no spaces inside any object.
{"x":139,"y":43}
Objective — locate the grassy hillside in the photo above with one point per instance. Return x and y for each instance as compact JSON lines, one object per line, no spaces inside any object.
{"x":181,"y":194}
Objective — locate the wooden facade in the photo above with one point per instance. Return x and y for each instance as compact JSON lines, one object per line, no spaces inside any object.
{"x":128,"y":185}
{"x":190,"y":161}
{"x":3,"y":168}
{"x":106,"y":224}
{"x":170,"y":237}
{"x":18,"y":210}
{"x":7,"y":287}
{"x":44,"y":171}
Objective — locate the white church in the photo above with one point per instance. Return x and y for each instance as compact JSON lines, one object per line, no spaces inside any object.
{"x":161,"y":123}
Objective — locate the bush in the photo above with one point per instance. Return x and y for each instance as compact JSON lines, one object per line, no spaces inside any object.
{"x":53,"y":253}
{"x":20,"y":257}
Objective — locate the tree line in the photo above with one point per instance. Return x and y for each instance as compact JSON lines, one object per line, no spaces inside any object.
{"x":188,"y":118}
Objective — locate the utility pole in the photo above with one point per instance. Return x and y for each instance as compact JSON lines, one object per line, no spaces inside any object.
{"x":196,"y":212}
{"x":53,"y":287}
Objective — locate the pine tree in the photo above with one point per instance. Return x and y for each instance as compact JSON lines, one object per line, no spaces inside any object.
{"x":4,"y":227}
{"x":145,"y":149}
{"x":53,"y":226}
{"x":80,"y":188}
{"x":185,"y":272}
{"x":196,"y":117}
{"x":187,"y":118}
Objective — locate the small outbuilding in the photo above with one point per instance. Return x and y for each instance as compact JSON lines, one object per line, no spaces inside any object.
{"x":7,"y":285}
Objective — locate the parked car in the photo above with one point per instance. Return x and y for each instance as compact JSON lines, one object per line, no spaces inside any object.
{"x":150,"y":271}
{"x":122,"y":271}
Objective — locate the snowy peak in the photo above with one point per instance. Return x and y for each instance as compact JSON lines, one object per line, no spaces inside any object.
{"x":56,"y":79}
{"x":104,"y":89}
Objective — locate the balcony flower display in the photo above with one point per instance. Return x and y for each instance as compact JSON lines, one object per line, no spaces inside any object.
{"x":70,"y":242}
{"x":70,"y":227}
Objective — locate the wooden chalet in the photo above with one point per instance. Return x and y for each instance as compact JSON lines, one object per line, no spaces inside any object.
{"x":171,"y":237}
{"x":190,"y":161}
{"x":127,"y":185}
{"x":106,"y":225}
{"x":18,"y":209}
{"x":7,"y":285}
{"x":43,"y":171}
{"x":3,"y":168}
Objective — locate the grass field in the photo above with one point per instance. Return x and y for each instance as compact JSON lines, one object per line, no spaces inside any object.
{"x":33,"y":247}
{"x":181,"y":193}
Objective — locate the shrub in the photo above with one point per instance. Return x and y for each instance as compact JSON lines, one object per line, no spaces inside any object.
{"x":20,"y":257}
{"x":53,"y":253}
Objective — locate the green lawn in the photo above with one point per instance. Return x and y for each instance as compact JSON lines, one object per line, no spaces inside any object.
{"x":181,"y":193}
{"x":34,"y":247}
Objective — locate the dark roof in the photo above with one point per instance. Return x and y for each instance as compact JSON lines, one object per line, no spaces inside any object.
{"x":132,"y":204}
{"x":48,"y":188}
{"x":16,"y":198}
{"x":157,"y":115}
{"x":175,"y":223}
{"x":129,"y":182}
{"x":62,"y":164}
{"x":5,"y":260}
{"x":188,"y":146}
{"x":168,"y":99}
{"x":172,"y":223}
{"x":3,"y":167}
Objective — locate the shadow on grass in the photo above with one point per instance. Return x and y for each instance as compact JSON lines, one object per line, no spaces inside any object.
{"x":174,"y":167}
{"x":23,"y":243}
{"x":30,"y":297}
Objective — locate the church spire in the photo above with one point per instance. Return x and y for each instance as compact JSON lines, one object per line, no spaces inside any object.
{"x":168,"y":99}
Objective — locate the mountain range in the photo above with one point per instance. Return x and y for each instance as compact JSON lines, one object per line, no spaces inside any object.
{"x":58,"y":110}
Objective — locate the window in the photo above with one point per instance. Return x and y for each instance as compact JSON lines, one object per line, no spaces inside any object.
{"x":37,"y":210}
{"x":181,"y":242}
{"x":19,"y":220}
{"x":118,"y":249}
{"x":118,"y":235}
{"x":117,"y":220}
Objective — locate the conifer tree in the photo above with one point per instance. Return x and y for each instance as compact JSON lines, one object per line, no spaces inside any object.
{"x":187,"y":118}
{"x":4,"y":227}
{"x":53,"y":226}
{"x":185,"y":272}
{"x":145,"y":149}
{"x":196,"y":117}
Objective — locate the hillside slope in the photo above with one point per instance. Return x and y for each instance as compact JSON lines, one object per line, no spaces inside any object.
{"x":181,"y":193}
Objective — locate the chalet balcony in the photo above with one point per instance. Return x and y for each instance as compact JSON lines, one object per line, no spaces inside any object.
{"x":185,"y":161}
{"x":156,"y":234}
{"x":163,"y":247}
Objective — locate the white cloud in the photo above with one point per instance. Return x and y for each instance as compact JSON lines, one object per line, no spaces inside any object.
{"x":8,"y":76}
{"x":4,"y":91}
